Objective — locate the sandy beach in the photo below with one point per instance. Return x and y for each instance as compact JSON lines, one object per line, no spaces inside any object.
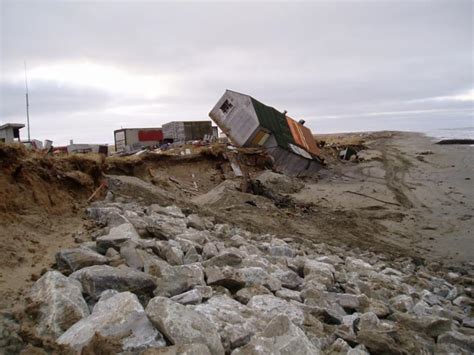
{"x":427,"y":191}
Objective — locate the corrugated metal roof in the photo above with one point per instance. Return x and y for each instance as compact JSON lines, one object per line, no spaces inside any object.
{"x":275,"y":122}
{"x":303,"y":136}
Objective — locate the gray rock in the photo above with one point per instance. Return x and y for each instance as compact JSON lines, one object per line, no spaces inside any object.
{"x":78,"y":258}
{"x":182,"y":325}
{"x":359,"y":266}
{"x":235,"y":322}
{"x":378,"y":342}
{"x":345,"y":300}
{"x":200,"y":237}
{"x":57,"y":303}
{"x":322,"y":272}
{"x":258,"y":276}
{"x":116,"y":237}
{"x":190,"y":297}
{"x":194,"y":296}
{"x":367,"y":321}
{"x":191,"y":256}
{"x":468,"y":322}
{"x":256,"y":261}
{"x":358,"y":350}
{"x":271,"y":306}
{"x":402,"y":303}
{"x":245,"y":294}
{"x":238,"y":241}
{"x":119,"y":318}
{"x":196,"y":222}
{"x":339,"y":346}
{"x":187,"y":349}
{"x":134,"y":256}
{"x":456,"y":338}
{"x":280,"y":337}
{"x":281,"y":250}
{"x":137,"y":221}
{"x":280,"y":183}
{"x":288,"y":295}
{"x":174,"y":280}
{"x":430,"y":298}
{"x":224,"y":276}
{"x":330,"y":259}
{"x":328,"y":311}
{"x":380,"y":309}
{"x":186,"y":244}
{"x":172,"y":254}
{"x":111,"y":253}
{"x":209,"y":251}
{"x":171,"y":211}
{"x":98,"y":278}
{"x":224,"y":259}
{"x":164,"y":227}
{"x":288,"y":279}
{"x":432,"y":326}
{"x":111,"y":216}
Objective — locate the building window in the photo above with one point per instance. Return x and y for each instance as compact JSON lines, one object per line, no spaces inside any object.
{"x":226,"y":106}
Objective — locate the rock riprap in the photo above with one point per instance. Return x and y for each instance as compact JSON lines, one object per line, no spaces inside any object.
{"x":159,"y":280}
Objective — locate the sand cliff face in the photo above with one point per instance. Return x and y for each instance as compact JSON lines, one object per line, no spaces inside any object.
{"x":382,"y":240}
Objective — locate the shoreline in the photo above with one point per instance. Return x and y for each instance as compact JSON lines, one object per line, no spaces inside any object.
{"x":431,"y":183}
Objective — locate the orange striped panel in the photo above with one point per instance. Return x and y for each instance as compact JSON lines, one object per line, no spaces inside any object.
{"x":303,"y":136}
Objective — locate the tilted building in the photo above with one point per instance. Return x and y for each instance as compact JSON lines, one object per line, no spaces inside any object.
{"x":248,"y":123}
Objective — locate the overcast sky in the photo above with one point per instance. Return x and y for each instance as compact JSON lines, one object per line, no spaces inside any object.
{"x":97,"y":66}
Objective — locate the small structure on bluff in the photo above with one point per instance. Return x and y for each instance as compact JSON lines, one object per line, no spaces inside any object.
{"x":249,"y":123}
{"x":10,"y":131}
{"x":185,"y":131}
{"x":130,"y":139}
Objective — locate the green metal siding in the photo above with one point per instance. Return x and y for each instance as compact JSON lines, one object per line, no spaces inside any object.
{"x":275,"y":122}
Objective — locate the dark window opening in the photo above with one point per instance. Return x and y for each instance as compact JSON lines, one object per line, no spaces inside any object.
{"x":226,"y":106}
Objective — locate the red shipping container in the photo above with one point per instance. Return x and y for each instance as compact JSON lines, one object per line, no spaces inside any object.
{"x":150,"y":135}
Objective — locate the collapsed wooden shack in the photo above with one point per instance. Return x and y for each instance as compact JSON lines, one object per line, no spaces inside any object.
{"x":249,"y":123}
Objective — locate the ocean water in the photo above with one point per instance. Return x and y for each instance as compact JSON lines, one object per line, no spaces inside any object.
{"x":450,"y":133}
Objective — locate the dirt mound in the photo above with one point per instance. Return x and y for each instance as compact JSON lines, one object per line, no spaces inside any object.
{"x":41,"y":203}
{"x":280,"y":183}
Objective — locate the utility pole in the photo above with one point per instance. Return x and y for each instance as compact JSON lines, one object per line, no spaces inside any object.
{"x":27,"y":106}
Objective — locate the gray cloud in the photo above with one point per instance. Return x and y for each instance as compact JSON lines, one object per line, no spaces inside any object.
{"x":318,"y":60}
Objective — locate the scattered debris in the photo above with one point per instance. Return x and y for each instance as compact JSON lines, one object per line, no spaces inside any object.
{"x":347,"y":153}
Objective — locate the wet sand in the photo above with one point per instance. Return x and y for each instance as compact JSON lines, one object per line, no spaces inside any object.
{"x":421,"y":192}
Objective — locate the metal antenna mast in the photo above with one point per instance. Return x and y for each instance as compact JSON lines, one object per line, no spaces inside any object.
{"x":27,"y":105}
